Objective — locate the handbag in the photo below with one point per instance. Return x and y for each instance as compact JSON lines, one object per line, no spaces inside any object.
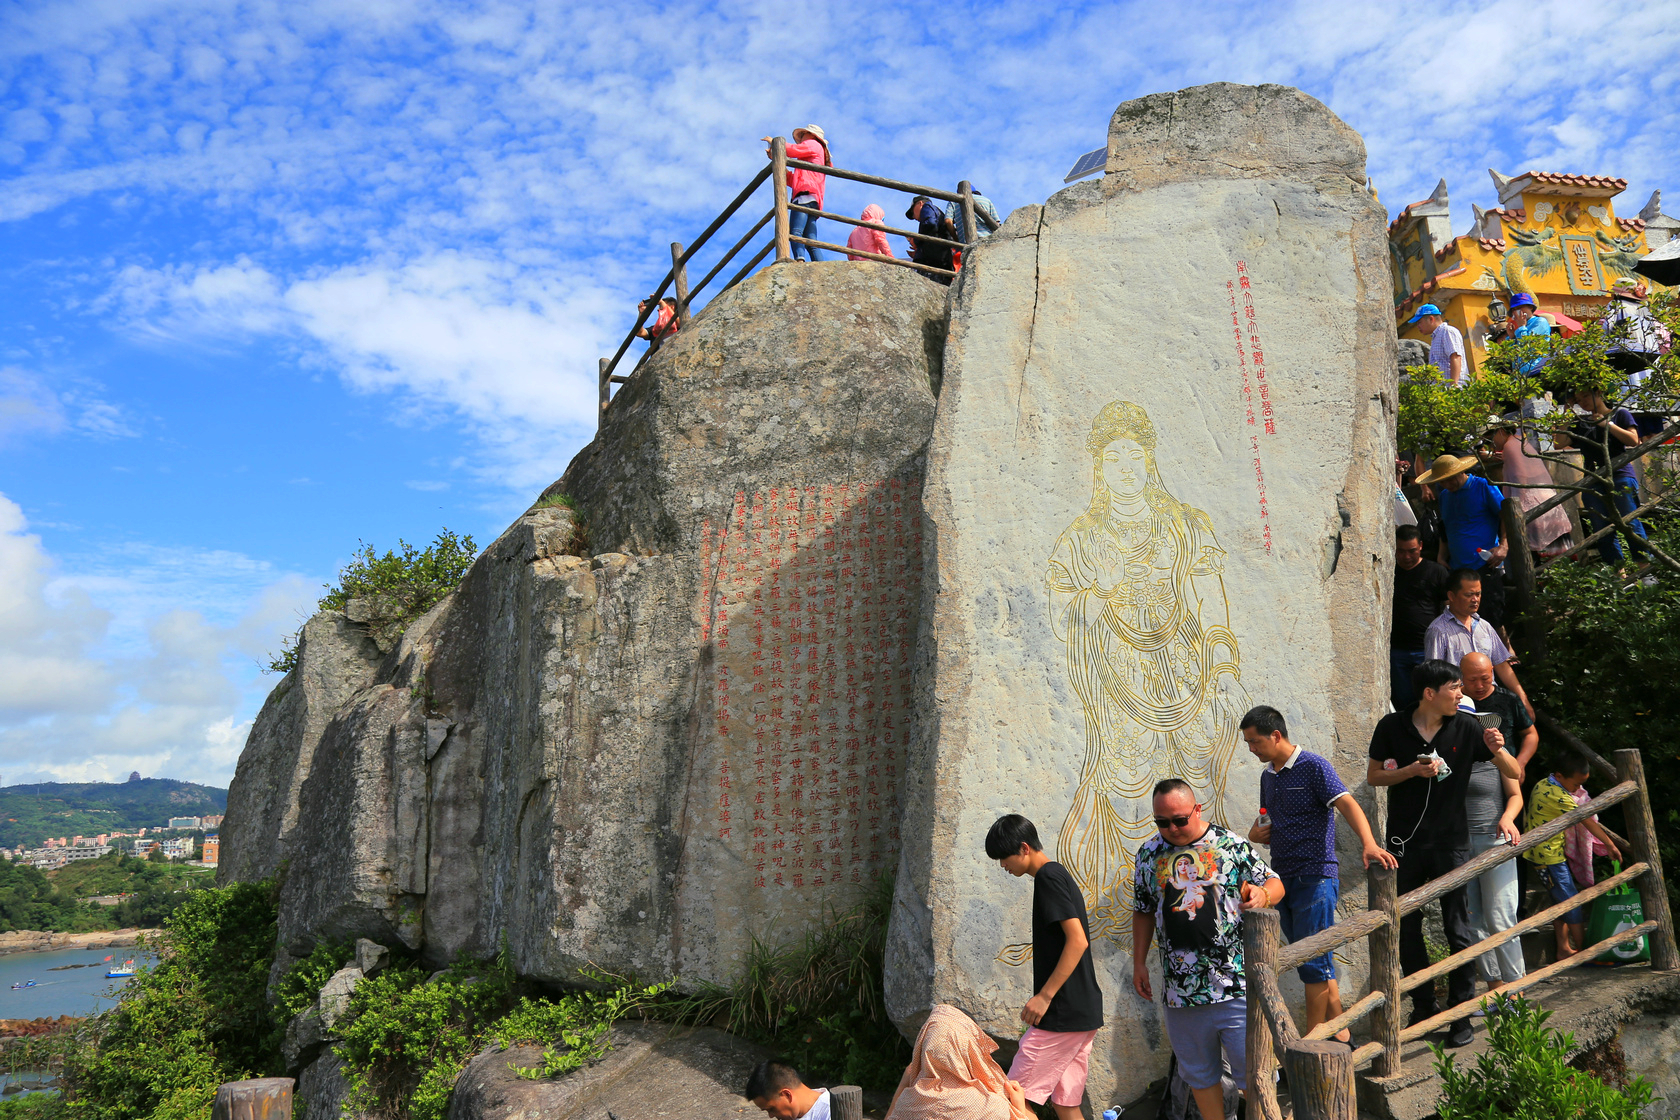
{"x":1613,"y":912}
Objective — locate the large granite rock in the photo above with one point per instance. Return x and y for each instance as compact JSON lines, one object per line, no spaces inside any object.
{"x":1157,"y":494}
{"x":652,"y":1072}
{"x":335,"y":657}
{"x":643,"y":758}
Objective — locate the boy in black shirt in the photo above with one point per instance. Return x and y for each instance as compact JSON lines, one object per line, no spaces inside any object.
{"x":1427,"y":826}
{"x":1420,"y":595}
{"x":1066,"y":1008}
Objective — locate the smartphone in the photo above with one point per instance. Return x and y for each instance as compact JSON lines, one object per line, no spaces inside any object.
{"x":1489,"y":720}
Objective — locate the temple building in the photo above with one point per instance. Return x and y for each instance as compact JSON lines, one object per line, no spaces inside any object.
{"x":1554,"y":236}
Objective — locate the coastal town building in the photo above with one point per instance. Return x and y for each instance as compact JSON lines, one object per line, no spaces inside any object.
{"x":212,"y":849}
{"x":184,"y":822}
{"x":1554,"y":236}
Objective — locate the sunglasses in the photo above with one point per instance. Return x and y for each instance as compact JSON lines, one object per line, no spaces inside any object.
{"x":1171,"y":822}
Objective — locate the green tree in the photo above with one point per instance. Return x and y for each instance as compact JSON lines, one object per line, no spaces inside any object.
{"x":402,"y":585}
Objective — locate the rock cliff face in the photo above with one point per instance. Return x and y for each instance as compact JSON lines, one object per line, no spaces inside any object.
{"x":641,"y":758}
{"x":1158,"y":494}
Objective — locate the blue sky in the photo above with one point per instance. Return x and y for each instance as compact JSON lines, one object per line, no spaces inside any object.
{"x":279,"y":277}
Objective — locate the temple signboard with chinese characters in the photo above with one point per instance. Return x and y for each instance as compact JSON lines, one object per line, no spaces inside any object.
{"x":1553,"y":236}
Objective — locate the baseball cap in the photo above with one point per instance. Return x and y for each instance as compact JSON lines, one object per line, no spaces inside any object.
{"x":1426,"y":309}
{"x":1521,"y":299}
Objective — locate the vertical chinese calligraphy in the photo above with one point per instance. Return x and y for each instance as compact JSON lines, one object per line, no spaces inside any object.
{"x":811,"y":619}
{"x":1247,"y":334}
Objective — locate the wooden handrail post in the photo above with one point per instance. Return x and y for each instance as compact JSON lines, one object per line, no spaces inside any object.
{"x":1521,"y":563}
{"x":679,"y":275}
{"x":778,"y":182}
{"x":845,"y":1102}
{"x":1320,"y":1080}
{"x":1642,"y":830}
{"x":1384,"y":943}
{"x":1260,"y":949}
{"x":970,"y":233}
{"x":606,"y":389}
{"x":264,"y":1098}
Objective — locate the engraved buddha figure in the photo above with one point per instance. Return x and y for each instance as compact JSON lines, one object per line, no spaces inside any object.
{"x":1137,"y":595}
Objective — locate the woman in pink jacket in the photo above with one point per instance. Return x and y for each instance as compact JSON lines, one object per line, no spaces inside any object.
{"x":869,"y":240}
{"x":805,"y":188}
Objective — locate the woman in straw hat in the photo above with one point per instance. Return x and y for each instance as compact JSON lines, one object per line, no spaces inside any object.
{"x":806,"y":187}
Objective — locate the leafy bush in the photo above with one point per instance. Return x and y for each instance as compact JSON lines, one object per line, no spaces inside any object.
{"x":408,"y":1037}
{"x":1612,"y":672}
{"x":1525,"y":1075}
{"x":303,"y":981}
{"x":817,"y":1002}
{"x":405,"y":586}
{"x":29,"y":900}
{"x":195,"y":1019}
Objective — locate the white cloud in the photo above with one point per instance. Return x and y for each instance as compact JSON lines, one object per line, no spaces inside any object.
{"x":31,"y":405}
{"x":141,"y":658}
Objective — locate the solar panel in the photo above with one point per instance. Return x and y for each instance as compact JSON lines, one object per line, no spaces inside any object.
{"x":1088,"y":164}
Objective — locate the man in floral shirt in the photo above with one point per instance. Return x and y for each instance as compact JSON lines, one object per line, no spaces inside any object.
{"x":1192,"y":883}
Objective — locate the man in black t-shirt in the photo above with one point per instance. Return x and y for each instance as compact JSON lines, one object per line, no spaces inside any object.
{"x":1420,"y":595}
{"x":1427,"y":827}
{"x":1065,"y":1011}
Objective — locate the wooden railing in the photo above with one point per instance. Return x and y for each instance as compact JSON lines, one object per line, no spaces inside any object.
{"x":781,"y":243}
{"x":1321,"y":1071}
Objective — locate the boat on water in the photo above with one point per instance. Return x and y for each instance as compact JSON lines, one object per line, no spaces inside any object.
{"x":23,"y":984}
{"x":127,"y":969}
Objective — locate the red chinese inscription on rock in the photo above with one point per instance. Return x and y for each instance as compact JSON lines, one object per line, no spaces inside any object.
{"x":812,"y":619}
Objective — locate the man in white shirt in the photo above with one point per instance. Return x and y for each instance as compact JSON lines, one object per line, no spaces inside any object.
{"x":777,"y":1088}
{"x":1446,"y":344}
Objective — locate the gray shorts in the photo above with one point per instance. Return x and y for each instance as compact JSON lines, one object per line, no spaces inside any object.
{"x":1199,"y":1034}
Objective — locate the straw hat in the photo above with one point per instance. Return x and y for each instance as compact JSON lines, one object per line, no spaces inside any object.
{"x":1445,"y":466}
{"x":811,"y":130}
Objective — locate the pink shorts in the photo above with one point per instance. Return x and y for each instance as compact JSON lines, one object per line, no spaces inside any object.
{"x":1052,"y":1064}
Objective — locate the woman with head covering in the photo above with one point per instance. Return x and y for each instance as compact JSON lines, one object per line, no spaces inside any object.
{"x":952,"y":1076}
{"x":869,"y":240}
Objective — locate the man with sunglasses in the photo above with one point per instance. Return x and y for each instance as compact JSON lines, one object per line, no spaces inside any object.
{"x":1190,"y":887}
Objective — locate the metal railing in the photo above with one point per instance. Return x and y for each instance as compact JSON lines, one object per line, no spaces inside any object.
{"x":781,"y":243}
{"x":1320,"y":1070}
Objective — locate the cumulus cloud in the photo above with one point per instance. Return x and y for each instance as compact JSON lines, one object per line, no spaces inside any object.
{"x":143,"y":658}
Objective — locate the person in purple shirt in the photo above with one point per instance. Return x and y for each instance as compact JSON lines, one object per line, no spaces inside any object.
{"x":1301,"y":794}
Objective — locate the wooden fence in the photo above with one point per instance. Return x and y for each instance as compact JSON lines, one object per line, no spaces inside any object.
{"x":780,"y":242}
{"x":1321,"y":1071}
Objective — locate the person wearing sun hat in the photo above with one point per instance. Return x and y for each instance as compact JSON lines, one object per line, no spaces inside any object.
{"x":805,"y":188}
{"x":1446,"y":344}
{"x":1471,"y":526}
{"x":1525,"y":323}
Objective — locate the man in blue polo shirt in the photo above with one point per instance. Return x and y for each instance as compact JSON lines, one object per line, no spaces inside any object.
{"x":1474,"y":536}
{"x":1300,"y":794}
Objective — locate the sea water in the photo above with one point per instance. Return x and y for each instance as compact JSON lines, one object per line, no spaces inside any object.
{"x":66,"y":991}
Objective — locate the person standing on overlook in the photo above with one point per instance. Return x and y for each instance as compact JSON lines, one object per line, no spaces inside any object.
{"x":1491,"y":803}
{"x":931,"y":222}
{"x":805,"y":188}
{"x":869,"y":240}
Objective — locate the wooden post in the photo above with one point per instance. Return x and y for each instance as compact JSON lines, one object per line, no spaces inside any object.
{"x":679,"y":275}
{"x":971,"y":233}
{"x":1260,"y":949}
{"x":1384,"y":945}
{"x":266,"y":1098}
{"x":1320,"y":1080}
{"x":845,"y":1102}
{"x":1521,"y":562}
{"x":1642,"y":830}
{"x":778,"y":183}
{"x":606,"y":389}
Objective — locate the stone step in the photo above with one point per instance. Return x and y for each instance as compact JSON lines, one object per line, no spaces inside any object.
{"x":1593,"y":1004}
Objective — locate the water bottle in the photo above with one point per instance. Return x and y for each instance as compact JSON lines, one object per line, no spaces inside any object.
{"x":1484,"y":554}
{"x":1110,"y":1114}
{"x":1261,"y":822}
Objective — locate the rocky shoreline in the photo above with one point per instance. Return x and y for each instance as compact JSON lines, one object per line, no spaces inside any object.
{"x":34,"y":1028}
{"x":36,"y":941}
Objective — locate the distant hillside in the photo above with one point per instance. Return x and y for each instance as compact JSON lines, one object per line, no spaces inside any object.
{"x":29,"y":814}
